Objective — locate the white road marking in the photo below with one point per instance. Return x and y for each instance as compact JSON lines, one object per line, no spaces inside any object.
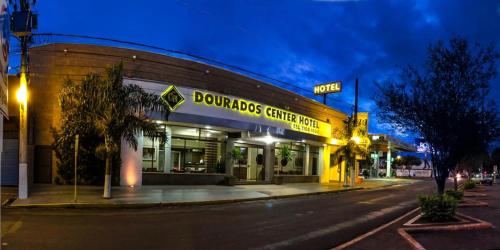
{"x":376,"y":199}
{"x":337,"y":227}
{"x":372,"y":232}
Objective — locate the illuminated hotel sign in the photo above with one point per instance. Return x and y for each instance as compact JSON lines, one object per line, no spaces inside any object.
{"x":326,"y":88}
{"x":297,"y":122}
{"x":172,"y":98}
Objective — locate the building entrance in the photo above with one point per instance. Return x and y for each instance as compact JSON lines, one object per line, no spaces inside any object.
{"x":251,"y":165}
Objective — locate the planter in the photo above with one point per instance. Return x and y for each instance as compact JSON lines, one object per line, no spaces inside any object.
{"x":284,"y":162}
{"x":229,"y":180}
{"x":259,"y":159}
{"x":278,"y":180}
{"x":359,"y":180}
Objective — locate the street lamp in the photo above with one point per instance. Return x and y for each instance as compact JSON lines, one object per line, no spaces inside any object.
{"x":356,"y":139}
{"x":22,"y":92}
{"x":22,"y":98}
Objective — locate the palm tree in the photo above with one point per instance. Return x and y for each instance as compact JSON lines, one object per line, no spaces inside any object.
{"x":114,"y":110}
{"x":350,"y":147}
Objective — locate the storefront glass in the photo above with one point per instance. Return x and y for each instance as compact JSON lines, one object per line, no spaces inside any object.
{"x":189,"y":150}
{"x":313,"y":160}
{"x":295,"y":166}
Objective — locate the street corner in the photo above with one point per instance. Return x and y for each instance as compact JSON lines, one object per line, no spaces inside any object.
{"x":476,"y":220}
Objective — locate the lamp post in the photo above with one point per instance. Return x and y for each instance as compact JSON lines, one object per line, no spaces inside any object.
{"x":23,"y":21}
{"x":22,"y":99}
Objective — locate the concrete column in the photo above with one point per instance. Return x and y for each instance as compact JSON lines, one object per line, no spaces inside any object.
{"x":324,"y":164}
{"x":352,"y":169}
{"x":307,"y":170}
{"x":227,"y":156}
{"x":388,"y":168}
{"x":355,"y":172}
{"x":168,"y":151}
{"x":376,"y":162}
{"x":131,"y":163}
{"x":269,"y":161}
{"x":250,"y":166}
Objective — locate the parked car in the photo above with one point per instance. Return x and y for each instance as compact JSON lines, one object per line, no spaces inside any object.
{"x":483,"y":179}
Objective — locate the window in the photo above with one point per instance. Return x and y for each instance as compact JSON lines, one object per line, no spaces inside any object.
{"x":295,"y":166}
{"x":190,"y":150}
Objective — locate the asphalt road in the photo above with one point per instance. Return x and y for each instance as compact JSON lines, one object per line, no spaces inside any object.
{"x":311,"y":222}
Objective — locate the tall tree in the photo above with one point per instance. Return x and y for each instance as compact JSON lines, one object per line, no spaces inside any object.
{"x":113,"y":110}
{"x":495,"y":157}
{"x":445,"y":102}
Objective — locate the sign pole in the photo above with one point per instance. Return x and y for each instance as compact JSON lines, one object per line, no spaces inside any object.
{"x":76,"y":158}
{"x":495,"y":171}
{"x":355,"y":121}
{"x":324,"y":98}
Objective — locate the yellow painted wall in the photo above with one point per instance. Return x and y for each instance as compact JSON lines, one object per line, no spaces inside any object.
{"x":325,"y":157}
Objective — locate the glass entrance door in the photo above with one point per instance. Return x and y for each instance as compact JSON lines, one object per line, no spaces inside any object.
{"x":251,"y":166}
{"x":176,"y":161}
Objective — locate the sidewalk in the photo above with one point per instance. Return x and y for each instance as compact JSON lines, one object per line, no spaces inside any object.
{"x":90,"y":196}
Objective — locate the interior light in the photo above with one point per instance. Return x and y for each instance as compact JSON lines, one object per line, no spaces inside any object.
{"x":268,"y":139}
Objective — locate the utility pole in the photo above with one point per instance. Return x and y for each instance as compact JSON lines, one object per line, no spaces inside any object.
{"x":355,"y":121}
{"x":76,"y":166}
{"x":23,"y":21}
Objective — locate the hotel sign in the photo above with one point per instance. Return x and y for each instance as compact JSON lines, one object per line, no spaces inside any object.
{"x":172,"y":98}
{"x":326,"y":88}
{"x":296,"y":122}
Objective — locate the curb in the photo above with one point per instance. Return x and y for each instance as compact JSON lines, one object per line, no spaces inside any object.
{"x":413,"y":243}
{"x":404,"y":232}
{"x":359,"y":238}
{"x":472,"y":203}
{"x":174,"y":204}
{"x":8,"y":201}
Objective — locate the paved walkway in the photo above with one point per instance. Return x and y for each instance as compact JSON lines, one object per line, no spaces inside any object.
{"x":54,"y":195}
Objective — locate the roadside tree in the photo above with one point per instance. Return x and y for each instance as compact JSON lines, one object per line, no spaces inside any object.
{"x":102,"y":106}
{"x":445,"y":102}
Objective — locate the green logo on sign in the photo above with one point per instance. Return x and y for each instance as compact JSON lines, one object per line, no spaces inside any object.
{"x":172,"y":98}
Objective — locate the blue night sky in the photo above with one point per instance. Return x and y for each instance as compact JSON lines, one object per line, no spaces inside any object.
{"x":300,"y":42}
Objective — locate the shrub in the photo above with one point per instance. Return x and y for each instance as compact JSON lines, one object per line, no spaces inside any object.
{"x":455,"y":194}
{"x":469,"y":185}
{"x":438,"y":208}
